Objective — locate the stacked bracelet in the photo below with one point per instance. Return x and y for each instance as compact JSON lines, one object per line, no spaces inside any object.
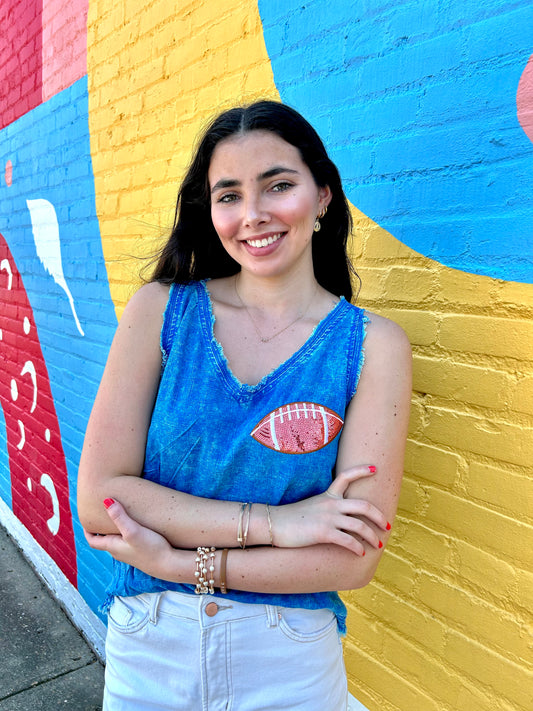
{"x":269,"y":525}
{"x":205,"y":570}
{"x":244,"y":518}
{"x":223,"y":559}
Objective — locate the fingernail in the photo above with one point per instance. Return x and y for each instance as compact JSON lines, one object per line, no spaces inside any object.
{"x":380,"y":544}
{"x":364,"y":552}
{"x":388,"y":526}
{"x":108,"y":502}
{"x":372,"y":468}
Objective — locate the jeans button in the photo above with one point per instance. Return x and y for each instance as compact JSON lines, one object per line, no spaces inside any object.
{"x":211,"y":609}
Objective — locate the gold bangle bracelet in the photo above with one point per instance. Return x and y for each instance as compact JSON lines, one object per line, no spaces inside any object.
{"x":269,"y":525}
{"x":223,"y":561}
{"x":244,"y":517}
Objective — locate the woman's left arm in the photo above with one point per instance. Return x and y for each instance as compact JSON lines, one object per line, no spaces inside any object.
{"x":374,"y":433}
{"x":376,"y":423}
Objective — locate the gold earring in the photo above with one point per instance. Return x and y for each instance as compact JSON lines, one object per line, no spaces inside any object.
{"x":317,"y":225}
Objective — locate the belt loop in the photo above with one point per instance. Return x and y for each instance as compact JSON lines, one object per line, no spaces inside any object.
{"x":154,"y":606}
{"x":272,"y":616}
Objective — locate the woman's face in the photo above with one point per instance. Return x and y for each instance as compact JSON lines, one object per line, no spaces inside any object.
{"x":264,"y":202}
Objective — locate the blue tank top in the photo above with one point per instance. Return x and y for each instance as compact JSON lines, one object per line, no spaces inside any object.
{"x":274,"y":442}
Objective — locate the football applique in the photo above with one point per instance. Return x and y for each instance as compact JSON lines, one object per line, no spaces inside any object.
{"x":298,"y":428}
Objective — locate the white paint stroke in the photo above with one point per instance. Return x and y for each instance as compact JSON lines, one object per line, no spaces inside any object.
{"x":5,"y":266}
{"x":46,"y":236}
{"x":22,"y":440}
{"x":53,"y":521}
{"x":29,"y":368}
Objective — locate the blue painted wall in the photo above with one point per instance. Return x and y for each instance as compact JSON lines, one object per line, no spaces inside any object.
{"x":50,"y":152}
{"x":416,"y":101}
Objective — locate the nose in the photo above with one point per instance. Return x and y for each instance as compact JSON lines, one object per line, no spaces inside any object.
{"x":254,"y":212}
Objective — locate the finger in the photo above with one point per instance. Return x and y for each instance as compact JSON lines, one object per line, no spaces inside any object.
{"x":343,"y":479}
{"x":116,"y":512}
{"x":345,"y":540}
{"x":89,"y":536}
{"x":355,"y":526}
{"x":106,"y":543}
{"x":361,"y":507}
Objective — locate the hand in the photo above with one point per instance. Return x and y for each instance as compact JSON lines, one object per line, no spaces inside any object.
{"x":134,"y":544}
{"x":330,"y":518}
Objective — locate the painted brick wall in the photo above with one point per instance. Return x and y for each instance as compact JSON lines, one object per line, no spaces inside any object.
{"x":443,"y":626}
{"x":20,"y":58}
{"x":448,"y":612}
{"x":422,"y":104}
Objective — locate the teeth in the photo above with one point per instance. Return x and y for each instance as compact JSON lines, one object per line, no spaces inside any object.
{"x":264,"y":242}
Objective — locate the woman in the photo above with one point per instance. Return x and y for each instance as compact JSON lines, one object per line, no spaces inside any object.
{"x":240,"y":462}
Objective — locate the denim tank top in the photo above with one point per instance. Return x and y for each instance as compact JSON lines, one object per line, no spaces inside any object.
{"x":274,"y":442}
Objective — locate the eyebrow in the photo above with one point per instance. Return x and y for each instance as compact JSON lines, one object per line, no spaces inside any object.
{"x":270,"y":173}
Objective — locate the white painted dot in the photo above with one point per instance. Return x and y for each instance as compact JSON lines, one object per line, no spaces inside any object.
{"x":0,"y":334}
{"x":14,"y":390}
{"x":26,"y":325}
{"x":47,"y":435}
{"x":29,"y":483}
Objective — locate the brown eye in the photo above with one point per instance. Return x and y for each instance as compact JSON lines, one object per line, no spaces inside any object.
{"x":228,"y":197}
{"x":281,"y":187}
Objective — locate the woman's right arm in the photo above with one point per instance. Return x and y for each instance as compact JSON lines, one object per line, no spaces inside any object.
{"x":114,"y":448}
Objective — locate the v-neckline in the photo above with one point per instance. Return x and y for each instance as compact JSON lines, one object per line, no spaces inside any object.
{"x":239,"y":388}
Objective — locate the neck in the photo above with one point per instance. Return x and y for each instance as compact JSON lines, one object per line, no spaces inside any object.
{"x":269,"y":315}
{"x":277,"y":295}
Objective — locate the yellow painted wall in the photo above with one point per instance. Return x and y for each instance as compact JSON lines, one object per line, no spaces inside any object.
{"x":156,"y":75}
{"x":446,"y":624}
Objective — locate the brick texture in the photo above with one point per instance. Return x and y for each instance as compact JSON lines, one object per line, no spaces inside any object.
{"x":446,"y":623}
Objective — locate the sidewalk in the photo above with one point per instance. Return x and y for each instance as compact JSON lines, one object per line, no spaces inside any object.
{"x":45,"y":664}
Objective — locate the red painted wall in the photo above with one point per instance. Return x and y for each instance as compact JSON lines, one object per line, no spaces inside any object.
{"x":20,"y":58}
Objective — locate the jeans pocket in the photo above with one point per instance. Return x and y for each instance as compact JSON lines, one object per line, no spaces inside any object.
{"x":128,"y":614}
{"x":303,"y":625}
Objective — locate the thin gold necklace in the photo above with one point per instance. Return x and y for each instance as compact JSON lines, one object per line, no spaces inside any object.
{"x":266,"y":339}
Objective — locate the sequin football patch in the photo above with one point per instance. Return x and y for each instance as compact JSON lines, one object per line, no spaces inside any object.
{"x":298,"y":428}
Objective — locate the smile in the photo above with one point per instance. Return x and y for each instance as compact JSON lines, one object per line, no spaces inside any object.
{"x":264,"y":242}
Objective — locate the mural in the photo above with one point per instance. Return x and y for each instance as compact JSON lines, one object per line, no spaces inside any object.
{"x":39,"y":484}
{"x":20,"y":59}
{"x":430,"y":120}
{"x":56,"y":309}
{"x":413,"y":130}
{"x":44,"y":50}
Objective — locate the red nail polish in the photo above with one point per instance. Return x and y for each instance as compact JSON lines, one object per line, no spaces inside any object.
{"x":364,"y":552}
{"x":372,"y":468}
{"x":388,"y":526}
{"x":380,"y":544}
{"x":108,"y":502}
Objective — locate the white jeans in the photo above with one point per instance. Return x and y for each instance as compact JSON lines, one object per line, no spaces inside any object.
{"x":175,"y":652}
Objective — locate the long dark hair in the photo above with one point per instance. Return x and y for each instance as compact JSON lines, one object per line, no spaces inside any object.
{"x":194,"y":250}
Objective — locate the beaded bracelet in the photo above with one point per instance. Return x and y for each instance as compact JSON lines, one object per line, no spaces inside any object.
{"x":205,"y":583}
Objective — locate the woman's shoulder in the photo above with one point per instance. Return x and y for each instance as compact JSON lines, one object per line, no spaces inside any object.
{"x":148,"y":301}
{"x":383,"y":326}
{"x":386,"y":337}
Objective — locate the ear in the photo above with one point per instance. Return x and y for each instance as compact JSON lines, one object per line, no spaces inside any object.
{"x":324,"y":195}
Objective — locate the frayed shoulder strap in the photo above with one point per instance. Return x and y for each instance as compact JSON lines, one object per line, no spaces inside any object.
{"x":171,"y":319}
{"x":357,"y":355}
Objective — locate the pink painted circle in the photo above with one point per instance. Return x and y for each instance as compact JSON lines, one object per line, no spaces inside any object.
{"x":9,"y":173}
{"x":524,"y":99}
